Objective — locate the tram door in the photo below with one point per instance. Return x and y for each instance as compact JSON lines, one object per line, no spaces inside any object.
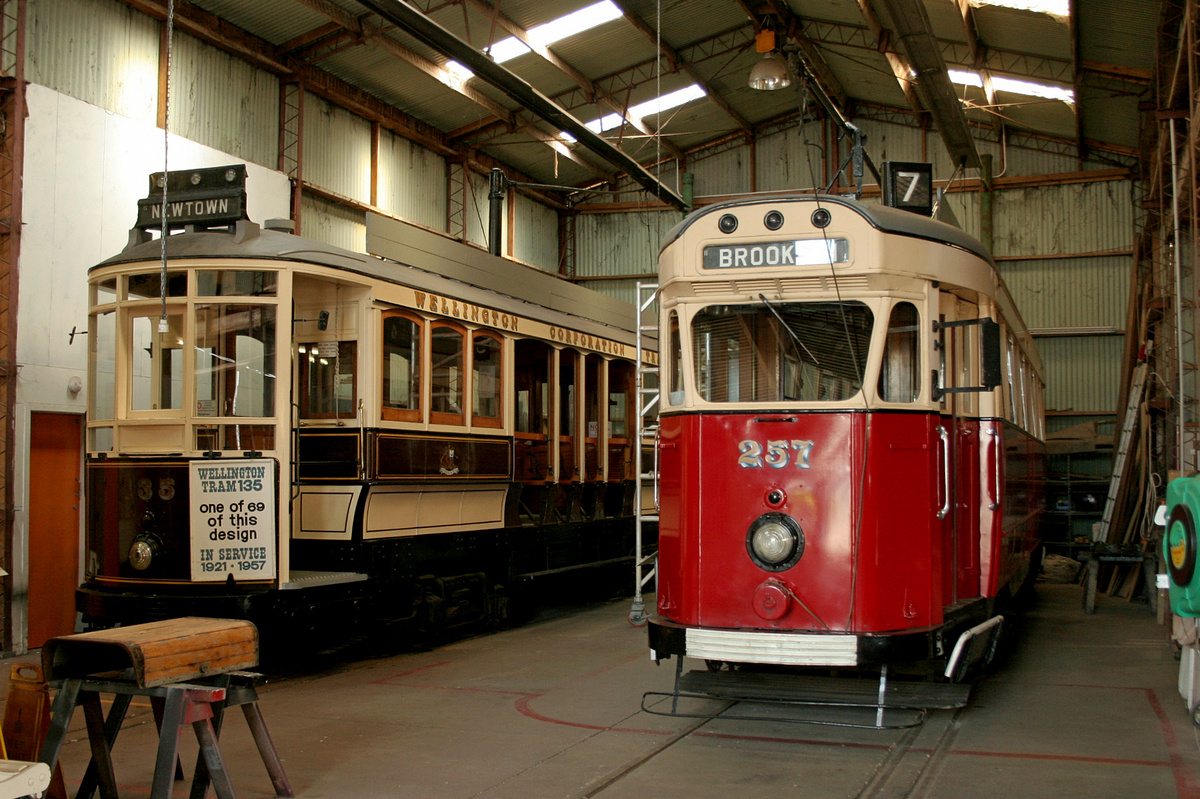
{"x":960,"y":412}
{"x":54,"y":497}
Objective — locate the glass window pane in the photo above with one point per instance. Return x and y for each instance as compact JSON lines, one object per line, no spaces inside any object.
{"x":446,"y":381}
{"x":485,"y":377}
{"x":100,"y":439}
{"x":236,"y":283}
{"x":620,"y":399}
{"x":102,"y":343}
{"x":401,"y":363}
{"x":235,"y":360}
{"x":805,"y":352}
{"x":149,"y":286}
{"x":104,"y":291}
{"x":566,"y":393}
{"x":899,"y":374}
{"x":156,"y":364}
{"x":531,"y":378}
{"x":327,"y":379}
{"x":676,"y":363}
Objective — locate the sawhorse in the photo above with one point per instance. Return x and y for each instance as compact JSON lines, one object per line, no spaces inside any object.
{"x":198,"y":704}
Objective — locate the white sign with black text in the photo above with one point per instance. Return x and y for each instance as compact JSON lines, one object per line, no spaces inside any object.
{"x":233,"y":519}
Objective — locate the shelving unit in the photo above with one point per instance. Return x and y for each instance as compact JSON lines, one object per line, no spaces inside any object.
{"x":1078,"y":473}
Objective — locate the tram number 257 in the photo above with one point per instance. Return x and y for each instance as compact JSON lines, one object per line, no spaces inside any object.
{"x":778,"y":453}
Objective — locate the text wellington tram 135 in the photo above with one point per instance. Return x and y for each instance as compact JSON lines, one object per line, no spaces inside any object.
{"x":851,"y":440}
{"x":311,"y":438}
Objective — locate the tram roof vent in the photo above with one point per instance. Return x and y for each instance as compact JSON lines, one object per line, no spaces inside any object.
{"x":282,"y":225}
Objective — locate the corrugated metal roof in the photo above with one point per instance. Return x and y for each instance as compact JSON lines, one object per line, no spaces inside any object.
{"x":715,"y":40}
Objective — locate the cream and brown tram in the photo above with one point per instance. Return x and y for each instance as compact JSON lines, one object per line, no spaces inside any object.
{"x":313,"y":438}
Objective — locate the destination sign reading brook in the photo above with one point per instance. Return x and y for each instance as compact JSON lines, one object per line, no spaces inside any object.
{"x":803,"y":252}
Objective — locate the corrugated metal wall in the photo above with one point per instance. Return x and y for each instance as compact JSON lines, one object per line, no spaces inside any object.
{"x":103,"y":53}
{"x":1083,"y":373}
{"x":333,"y":223}
{"x":477,"y":213}
{"x":243,"y":122}
{"x":1068,"y":219}
{"x":412,"y":181}
{"x":535,"y":237}
{"x":337,"y":149}
{"x":620,"y":244}
{"x":1070,"y":292}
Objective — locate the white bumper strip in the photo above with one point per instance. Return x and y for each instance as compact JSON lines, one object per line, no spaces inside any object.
{"x":791,"y":649}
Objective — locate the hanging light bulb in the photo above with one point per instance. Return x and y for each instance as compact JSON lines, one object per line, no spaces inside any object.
{"x":771,"y":72}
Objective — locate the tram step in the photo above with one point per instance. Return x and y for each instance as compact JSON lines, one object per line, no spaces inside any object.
{"x":762,"y":686}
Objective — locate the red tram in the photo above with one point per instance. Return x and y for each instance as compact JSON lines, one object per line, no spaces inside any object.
{"x":851,"y":438}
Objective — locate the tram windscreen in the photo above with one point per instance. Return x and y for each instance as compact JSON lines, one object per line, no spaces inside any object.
{"x":782,"y":352}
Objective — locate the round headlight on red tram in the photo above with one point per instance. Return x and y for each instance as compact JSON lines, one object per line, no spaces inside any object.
{"x":775,"y":542}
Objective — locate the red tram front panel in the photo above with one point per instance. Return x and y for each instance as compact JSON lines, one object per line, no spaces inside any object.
{"x":720,"y":473}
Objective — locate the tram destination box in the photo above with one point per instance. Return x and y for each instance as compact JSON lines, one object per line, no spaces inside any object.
{"x":156,"y":653}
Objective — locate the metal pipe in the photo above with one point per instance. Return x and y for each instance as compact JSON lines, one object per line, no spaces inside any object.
{"x":417,"y":24}
{"x":497,"y":188}
{"x":986,"y":219}
{"x":1180,"y":396}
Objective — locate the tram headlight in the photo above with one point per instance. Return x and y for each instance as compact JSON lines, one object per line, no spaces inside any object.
{"x":144,"y":549}
{"x":775,"y":541}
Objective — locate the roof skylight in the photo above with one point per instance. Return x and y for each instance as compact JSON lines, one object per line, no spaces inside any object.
{"x":1057,"y":8}
{"x":555,"y":30}
{"x":649,"y":108}
{"x":1014,"y":86}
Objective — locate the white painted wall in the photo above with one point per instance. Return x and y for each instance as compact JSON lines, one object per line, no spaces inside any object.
{"x":85,"y":169}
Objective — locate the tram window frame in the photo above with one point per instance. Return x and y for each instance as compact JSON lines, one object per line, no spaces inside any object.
{"x":232,"y":394}
{"x":567,"y":415}
{"x":347,"y":354}
{"x":533,"y":411}
{"x":102,"y":343}
{"x":675,"y":394}
{"x":177,"y":285}
{"x":621,"y":408}
{"x":497,"y":395}
{"x":901,"y":342}
{"x":414,"y":410}
{"x":442,"y":367}
{"x":741,"y":355}
{"x":142,"y":323}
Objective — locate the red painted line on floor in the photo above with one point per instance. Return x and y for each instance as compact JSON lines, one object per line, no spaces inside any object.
{"x":524,"y":709}
{"x":1185,"y":777}
{"x":386,"y":680}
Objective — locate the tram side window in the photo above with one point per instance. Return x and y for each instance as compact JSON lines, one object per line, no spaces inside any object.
{"x":102,"y":352}
{"x":531,"y":385}
{"x":235,"y":360}
{"x":486,"y":375}
{"x":676,"y":356}
{"x":567,"y":413}
{"x":621,"y":385}
{"x":327,"y":379}
{"x":446,"y":375}
{"x":157,"y":362}
{"x":1010,"y":355}
{"x":899,"y":374}
{"x":402,"y":367}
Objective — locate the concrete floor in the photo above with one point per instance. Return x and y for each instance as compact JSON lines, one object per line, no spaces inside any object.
{"x":1087,"y":706}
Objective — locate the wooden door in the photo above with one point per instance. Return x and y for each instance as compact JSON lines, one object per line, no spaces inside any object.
{"x":54,"y":497}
